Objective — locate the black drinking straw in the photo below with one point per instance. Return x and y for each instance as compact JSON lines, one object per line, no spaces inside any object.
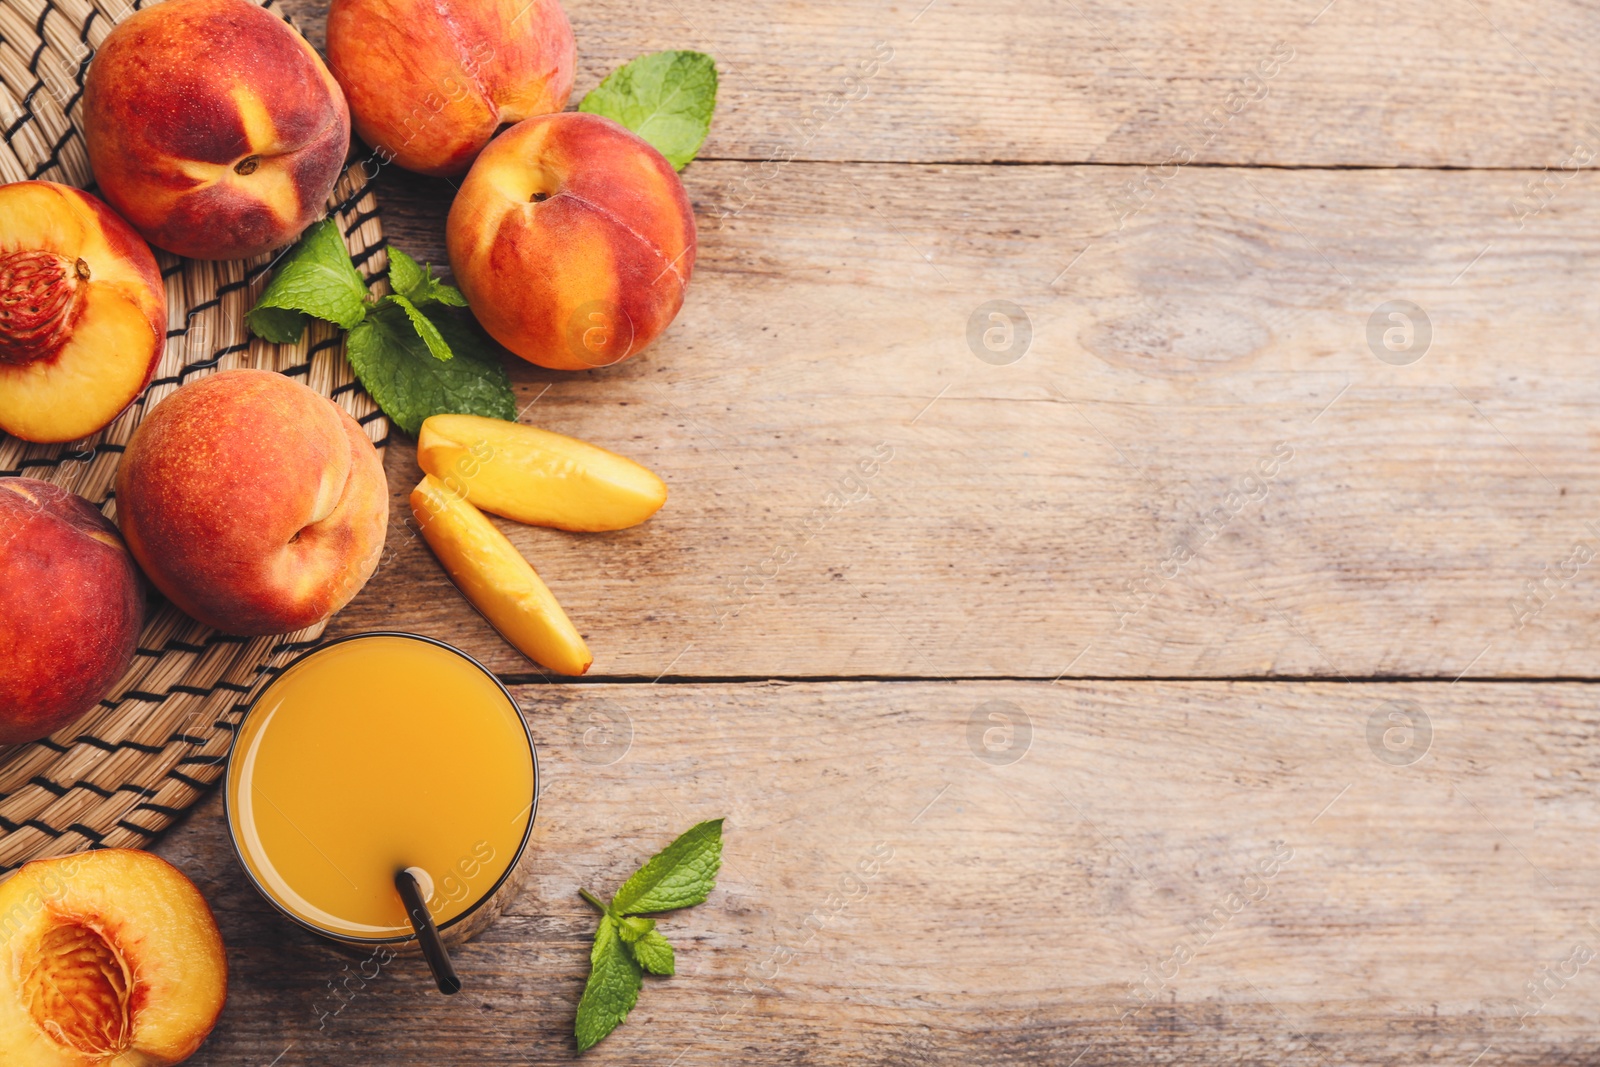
{"x":444,"y":972}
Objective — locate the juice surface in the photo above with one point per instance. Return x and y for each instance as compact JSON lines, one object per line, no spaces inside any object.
{"x":370,"y":756}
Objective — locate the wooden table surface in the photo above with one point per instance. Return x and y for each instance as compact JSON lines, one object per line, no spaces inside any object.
{"x":1199,"y":658}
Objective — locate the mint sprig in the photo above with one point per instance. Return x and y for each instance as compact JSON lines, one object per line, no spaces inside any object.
{"x":626,"y":945}
{"x":414,"y":363}
{"x":665,"y":97}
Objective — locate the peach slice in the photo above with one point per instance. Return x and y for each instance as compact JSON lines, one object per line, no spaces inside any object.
{"x":83,"y":315}
{"x":107,"y":959}
{"x":492,"y":575}
{"x":537,"y":477}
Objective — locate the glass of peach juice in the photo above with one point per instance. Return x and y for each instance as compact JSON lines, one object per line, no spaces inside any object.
{"x":373,"y":754}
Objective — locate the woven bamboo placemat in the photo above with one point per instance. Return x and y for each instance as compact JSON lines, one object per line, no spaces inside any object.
{"x":121,"y":774}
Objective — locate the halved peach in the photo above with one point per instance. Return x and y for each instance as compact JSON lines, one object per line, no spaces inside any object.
{"x":492,"y":574}
{"x":107,"y":959}
{"x":538,"y":477}
{"x":83,"y":315}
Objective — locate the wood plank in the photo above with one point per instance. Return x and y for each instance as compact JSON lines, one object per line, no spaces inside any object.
{"x":1399,"y":911}
{"x":1486,"y":83}
{"x":1026,"y":522}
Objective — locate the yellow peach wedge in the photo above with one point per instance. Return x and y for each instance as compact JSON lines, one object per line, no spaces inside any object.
{"x":537,"y":477}
{"x":496,"y":579}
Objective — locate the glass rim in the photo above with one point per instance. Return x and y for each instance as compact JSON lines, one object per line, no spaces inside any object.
{"x":398,"y":939}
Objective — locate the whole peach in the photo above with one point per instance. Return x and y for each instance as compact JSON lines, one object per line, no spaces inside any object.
{"x":213,"y":127}
{"x":83,"y":314}
{"x":573,"y":241}
{"x":430,"y":81}
{"x":255,"y":504}
{"x":70,"y":608}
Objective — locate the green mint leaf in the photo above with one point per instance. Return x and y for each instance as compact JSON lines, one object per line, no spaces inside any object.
{"x":396,"y":366}
{"x":654,"y":953}
{"x":281,"y":326}
{"x":424,"y":326}
{"x":315,"y":278}
{"x":406,"y":275}
{"x":632,"y":928}
{"x":493,"y":397}
{"x":416,"y":282}
{"x":445,"y":294}
{"x":613,"y":987}
{"x":678,"y":876}
{"x":665,"y":97}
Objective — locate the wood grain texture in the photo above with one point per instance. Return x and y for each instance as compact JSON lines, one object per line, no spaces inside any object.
{"x":1026,"y":522}
{"x":1015,"y":908}
{"x":1486,"y":83}
{"x":857,"y":495}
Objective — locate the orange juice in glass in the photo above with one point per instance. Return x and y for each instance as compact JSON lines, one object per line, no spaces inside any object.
{"x":374,"y":754}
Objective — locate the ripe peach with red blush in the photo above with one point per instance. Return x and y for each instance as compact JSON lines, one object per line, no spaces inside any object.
{"x":213,"y":127}
{"x":573,"y":241}
{"x":431,"y":81}
{"x":71,"y":607}
{"x":257,"y":505}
